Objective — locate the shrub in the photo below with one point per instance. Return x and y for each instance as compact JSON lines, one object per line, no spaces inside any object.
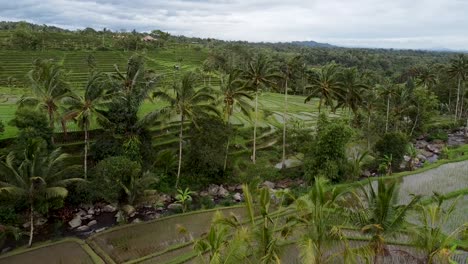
{"x":32,"y":124}
{"x":327,"y":154}
{"x":392,"y":145}
{"x":2,"y":127}
{"x":438,"y":135}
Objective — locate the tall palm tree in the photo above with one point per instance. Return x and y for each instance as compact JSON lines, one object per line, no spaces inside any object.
{"x":387,"y":90}
{"x":370,"y":101}
{"x":189,"y":103}
{"x":84,"y":108}
{"x":48,"y":89}
{"x":458,"y":70}
{"x":288,"y":72}
{"x":234,"y":93}
{"x":353,"y":89}
{"x":379,"y":214}
{"x":259,"y":75}
{"x":326,"y":85}
{"x":38,"y":177}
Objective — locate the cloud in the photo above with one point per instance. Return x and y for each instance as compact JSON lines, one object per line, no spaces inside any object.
{"x":375,"y":23}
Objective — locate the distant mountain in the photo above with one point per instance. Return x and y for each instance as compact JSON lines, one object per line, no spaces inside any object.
{"x":311,"y":43}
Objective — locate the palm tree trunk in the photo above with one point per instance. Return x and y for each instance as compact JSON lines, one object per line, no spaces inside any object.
{"x":227,"y":144}
{"x":283,"y":162}
{"x":388,"y":112}
{"x":320,"y":105}
{"x":368,"y":130}
{"x":180,"y":148}
{"x":458,"y":99}
{"x":51,"y":124}
{"x":86,"y":141}
{"x":31,"y":228}
{"x":255,"y":128}
{"x":415,"y":122}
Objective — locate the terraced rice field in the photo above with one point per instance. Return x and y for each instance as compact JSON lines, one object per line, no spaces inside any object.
{"x":64,"y":252}
{"x":157,"y":237}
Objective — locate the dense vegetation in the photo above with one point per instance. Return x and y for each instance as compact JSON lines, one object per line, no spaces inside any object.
{"x":85,"y":131}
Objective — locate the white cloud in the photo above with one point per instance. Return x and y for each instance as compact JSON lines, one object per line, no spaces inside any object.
{"x":376,"y":23}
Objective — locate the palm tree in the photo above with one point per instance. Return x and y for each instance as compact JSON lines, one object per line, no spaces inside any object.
{"x":84,"y":108}
{"x":40,"y":176}
{"x":321,"y":216}
{"x":48,"y":89}
{"x":428,"y":234}
{"x":379,"y":214}
{"x":259,"y":75}
{"x":387,"y":90}
{"x":326,"y":85}
{"x":426,"y":78}
{"x":458,"y":70}
{"x":370,"y":102}
{"x":353,"y":89}
{"x":189,"y":103}
{"x":234,"y":93}
{"x":288,"y":73}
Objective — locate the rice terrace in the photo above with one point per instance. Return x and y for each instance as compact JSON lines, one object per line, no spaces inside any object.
{"x":218,"y":132}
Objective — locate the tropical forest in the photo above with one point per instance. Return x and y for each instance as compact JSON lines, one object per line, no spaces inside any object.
{"x":131,"y":146}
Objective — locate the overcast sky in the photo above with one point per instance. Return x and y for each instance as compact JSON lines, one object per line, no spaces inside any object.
{"x":424,"y":24}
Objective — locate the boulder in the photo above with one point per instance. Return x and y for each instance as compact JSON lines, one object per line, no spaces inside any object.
{"x":426,"y":153}
{"x":421,"y":157}
{"x":92,"y":222}
{"x":40,"y":221}
{"x":204,"y":194}
{"x":80,"y":213}
{"x":82,"y":228}
{"x":222,"y":192}
{"x":237,"y":197}
{"x":432,"y":149}
{"x":75,"y":222}
{"x":119,"y":217}
{"x":109,"y":208}
{"x":268,"y":184}
{"x":136,"y":220}
{"x":100,"y":229}
{"x":231,"y":188}
{"x":128,"y":210}
{"x":213,"y":189}
{"x":175,"y":207}
{"x":91,"y":211}
{"x":164,"y":198}
{"x":366,"y":173}
{"x":406,"y":158}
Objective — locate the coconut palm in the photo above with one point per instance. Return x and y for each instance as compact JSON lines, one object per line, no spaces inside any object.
{"x":259,"y":75}
{"x":370,"y":101}
{"x":379,"y":215}
{"x":353,"y":89}
{"x":38,"y":177}
{"x":188,"y":103}
{"x":326,"y":85}
{"x":428,"y":233}
{"x":459,"y":70}
{"x":234,"y":93}
{"x":288,"y":72}
{"x":48,"y":89}
{"x":320,"y":214}
{"x":84,"y":108}
{"x":386,"y":91}
{"x":426,"y":78}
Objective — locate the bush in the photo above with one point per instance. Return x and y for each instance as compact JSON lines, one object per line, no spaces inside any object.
{"x":32,"y":124}
{"x":109,"y":172}
{"x":327,"y":154}
{"x":438,"y":135}
{"x":2,"y":127}
{"x":392,"y":145}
